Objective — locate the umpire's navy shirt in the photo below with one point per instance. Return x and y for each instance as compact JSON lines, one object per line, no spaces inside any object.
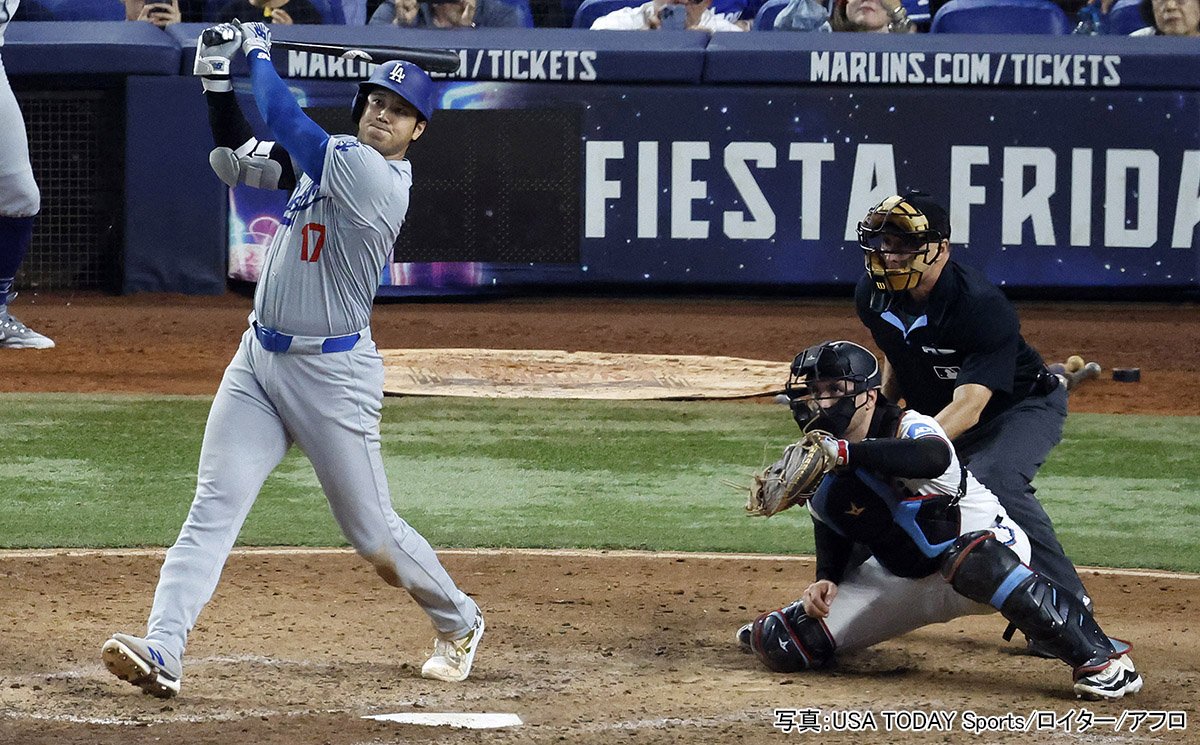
{"x":967,"y":332}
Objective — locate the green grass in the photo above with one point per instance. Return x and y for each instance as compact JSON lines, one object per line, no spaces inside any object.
{"x":120,"y":471}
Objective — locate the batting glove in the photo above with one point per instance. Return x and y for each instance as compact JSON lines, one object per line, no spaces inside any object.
{"x":255,"y":36}
{"x":837,"y":452}
{"x":215,"y":47}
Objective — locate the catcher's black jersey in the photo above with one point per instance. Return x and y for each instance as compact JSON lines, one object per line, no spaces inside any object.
{"x":968,"y":332}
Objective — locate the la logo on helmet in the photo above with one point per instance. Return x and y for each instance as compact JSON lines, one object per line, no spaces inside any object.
{"x":397,"y":74}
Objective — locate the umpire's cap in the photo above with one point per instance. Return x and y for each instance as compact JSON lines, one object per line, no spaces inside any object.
{"x":405,"y":79}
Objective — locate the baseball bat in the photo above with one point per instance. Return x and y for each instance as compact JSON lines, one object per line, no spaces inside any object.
{"x":431,"y":60}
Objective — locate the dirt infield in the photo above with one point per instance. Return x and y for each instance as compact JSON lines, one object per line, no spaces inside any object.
{"x":585,"y":648}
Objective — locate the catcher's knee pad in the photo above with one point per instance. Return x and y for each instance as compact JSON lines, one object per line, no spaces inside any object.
{"x":986,"y":571}
{"x":788,"y":640}
{"x":977,"y":566}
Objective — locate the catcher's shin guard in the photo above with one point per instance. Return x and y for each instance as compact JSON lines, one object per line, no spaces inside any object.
{"x":788,"y":640}
{"x":986,"y":571}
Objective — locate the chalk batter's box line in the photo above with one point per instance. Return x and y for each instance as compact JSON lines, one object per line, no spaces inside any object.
{"x":43,"y":553}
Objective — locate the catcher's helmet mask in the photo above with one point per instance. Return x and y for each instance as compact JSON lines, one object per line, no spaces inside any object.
{"x":844,"y":371}
{"x":911,"y":226}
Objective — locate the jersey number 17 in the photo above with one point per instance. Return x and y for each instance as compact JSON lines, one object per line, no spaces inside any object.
{"x":313,"y":240}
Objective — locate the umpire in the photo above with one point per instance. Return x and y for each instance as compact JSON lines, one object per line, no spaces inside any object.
{"x":954,"y":350}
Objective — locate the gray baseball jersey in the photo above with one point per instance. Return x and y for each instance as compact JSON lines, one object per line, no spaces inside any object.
{"x":322,"y":269}
{"x":308,"y":373}
{"x":873,"y":605}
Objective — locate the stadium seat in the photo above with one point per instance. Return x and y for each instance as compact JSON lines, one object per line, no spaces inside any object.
{"x":568,"y":9}
{"x":918,"y":12}
{"x":524,"y":12}
{"x":590,"y":10}
{"x":1000,"y":17}
{"x":1125,"y":17}
{"x":84,"y":10}
{"x":764,"y":20}
{"x":333,"y":12}
{"x":729,"y":9}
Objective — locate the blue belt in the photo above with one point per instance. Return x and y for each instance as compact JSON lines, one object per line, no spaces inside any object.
{"x":274,"y":341}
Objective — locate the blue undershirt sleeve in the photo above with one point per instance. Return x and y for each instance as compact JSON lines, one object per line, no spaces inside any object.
{"x":300,"y":136}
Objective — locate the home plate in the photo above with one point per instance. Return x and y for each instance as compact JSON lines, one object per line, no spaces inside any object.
{"x":452,"y":719}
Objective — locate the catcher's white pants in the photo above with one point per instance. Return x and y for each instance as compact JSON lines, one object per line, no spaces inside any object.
{"x":873,"y":605}
{"x":330,"y":406}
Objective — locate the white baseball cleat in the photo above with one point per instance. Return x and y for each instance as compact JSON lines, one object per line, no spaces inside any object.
{"x":452,"y":660}
{"x":16,"y":335}
{"x":1116,"y":679}
{"x":143,"y":663}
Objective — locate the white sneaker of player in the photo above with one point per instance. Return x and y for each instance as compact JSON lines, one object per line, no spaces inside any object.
{"x":1117,"y":679}
{"x":452,"y":660}
{"x":16,"y":335}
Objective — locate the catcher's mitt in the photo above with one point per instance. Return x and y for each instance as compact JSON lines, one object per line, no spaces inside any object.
{"x":793,"y":478}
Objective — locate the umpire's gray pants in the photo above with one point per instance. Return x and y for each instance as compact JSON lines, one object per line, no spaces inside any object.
{"x":1005,"y":454}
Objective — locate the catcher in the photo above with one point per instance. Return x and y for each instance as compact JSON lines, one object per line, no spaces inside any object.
{"x":941,"y":544}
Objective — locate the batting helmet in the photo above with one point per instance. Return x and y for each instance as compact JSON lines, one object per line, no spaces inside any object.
{"x":830,"y":362}
{"x":404,"y":79}
{"x":914,"y":221}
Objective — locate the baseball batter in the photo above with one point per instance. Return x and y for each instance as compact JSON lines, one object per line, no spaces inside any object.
{"x":306,"y":371}
{"x":942,"y":545}
{"x":20,"y":202}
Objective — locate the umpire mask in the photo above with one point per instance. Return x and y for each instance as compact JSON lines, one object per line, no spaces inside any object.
{"x":825,"y":382}
{"x":901,"y":238}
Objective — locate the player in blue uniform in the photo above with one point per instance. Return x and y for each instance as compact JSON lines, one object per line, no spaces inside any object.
{"x":306,"y":372}
{"x":20,"y":202}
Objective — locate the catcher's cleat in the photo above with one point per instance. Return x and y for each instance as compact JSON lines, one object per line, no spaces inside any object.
{"x":16,"y":335}
{"x":1116,"y":679}
{"x":143,"y":663}
{"x":452,"y":660}
{"x":743,"y":637}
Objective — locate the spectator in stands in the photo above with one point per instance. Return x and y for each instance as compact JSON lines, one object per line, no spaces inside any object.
{"x":803,"y":15}
{"x":164,"y":12}
{"x":740,"y":12}
{"x":448,"y":14}
{"x":1170,"y":18}
{"x":354,"y":11}
{"x":880,"y":16}
{"x":283,"y":12}
{"x":669,"y":14}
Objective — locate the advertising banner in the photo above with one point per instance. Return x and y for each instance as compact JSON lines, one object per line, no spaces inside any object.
{"x":763,"y":185}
